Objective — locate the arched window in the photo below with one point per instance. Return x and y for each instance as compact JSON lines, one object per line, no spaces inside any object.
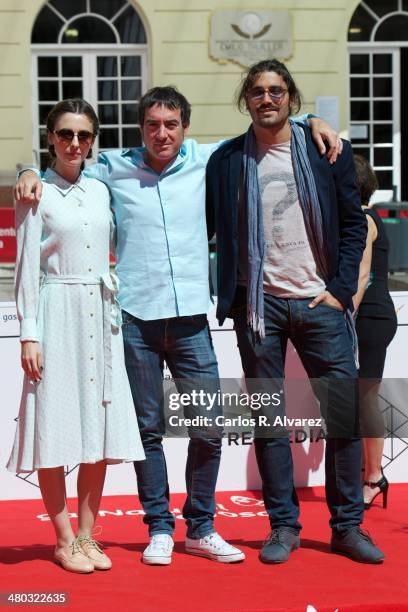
{"x":378,"y":51}
{"x":95,"y":49}
{"x":88,"y":21}
{"x":379,"y":20}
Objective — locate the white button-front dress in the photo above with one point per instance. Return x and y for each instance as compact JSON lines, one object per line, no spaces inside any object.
{"x":82,"y":410}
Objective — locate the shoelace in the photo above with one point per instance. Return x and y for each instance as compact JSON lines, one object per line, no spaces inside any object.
{"x":96,"y":545}
{"x":275,"y":536}
{"x":76,"y":547}
{"x":365,"y":535}
{"x":163,"y":544}
{"x":215,"y":539}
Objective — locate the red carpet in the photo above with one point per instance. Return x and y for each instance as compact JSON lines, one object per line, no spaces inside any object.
{"x":312,"y":577}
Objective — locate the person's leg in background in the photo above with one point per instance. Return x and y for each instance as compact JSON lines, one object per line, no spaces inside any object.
{"x":372,"y":349}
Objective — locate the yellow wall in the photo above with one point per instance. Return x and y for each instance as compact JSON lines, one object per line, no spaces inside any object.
{"x":178,"y":32}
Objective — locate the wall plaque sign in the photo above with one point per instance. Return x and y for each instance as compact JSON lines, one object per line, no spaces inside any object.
{"x":247,"y":37}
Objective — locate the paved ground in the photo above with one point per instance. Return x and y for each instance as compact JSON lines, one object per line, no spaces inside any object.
{"x":398,"y":281}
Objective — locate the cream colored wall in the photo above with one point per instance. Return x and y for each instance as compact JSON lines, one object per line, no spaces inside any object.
{"x":319,"y":62}
{"x":178,"y":32}
{"x":16,"y":18}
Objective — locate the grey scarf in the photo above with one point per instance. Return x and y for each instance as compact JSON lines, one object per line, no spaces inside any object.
{"x":312,"y":215}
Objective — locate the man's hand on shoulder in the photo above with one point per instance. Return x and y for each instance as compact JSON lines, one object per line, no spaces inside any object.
{"x":323,"y":133}
{"x":28,"y":188}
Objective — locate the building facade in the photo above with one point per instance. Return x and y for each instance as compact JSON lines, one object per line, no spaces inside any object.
{"x":349,"y":58}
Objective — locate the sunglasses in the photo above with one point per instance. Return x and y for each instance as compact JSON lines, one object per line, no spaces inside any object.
{"x":69,"y":135}
{"x":275,"y":93}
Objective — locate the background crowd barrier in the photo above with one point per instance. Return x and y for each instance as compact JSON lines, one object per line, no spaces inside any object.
{"x":238,"y":467}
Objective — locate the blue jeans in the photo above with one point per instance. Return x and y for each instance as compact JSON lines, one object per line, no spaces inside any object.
{"x":185,"y":344}
{"x":320,"y":337}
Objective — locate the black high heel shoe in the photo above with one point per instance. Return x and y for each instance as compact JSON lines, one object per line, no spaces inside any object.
{"x":383,"y":485}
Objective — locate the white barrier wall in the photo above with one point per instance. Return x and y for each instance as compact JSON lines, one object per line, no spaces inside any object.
{"x":238,"y":467}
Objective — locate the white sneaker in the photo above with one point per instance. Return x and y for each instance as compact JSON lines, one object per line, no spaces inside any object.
{"x":159,"y":550}
{"x":214,"y":547}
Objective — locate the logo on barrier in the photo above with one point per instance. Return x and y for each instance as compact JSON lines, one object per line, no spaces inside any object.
{"x":8,"y":245}
{"x":396,"y":430}
{"x":9,"y":327}
{"x":31,"y":477}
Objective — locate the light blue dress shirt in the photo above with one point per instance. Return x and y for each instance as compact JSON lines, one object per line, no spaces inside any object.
{"x":162,"y":248}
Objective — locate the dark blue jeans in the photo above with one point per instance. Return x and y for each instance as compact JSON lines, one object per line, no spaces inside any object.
{"x":321,"y":340}
{"x":185,"y":344}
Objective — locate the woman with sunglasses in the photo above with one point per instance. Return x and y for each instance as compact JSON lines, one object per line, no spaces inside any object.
{"x":76,"y":405}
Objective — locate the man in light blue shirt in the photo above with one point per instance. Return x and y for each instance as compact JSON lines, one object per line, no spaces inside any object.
{"x":158,"y":195}
{"x":162,"y":248}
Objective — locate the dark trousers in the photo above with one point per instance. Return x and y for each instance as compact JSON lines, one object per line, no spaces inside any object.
{"x":321,"y":340}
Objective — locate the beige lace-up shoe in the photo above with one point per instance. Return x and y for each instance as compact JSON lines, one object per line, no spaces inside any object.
{"x":73,"y":559}
{"x":93,"y":550}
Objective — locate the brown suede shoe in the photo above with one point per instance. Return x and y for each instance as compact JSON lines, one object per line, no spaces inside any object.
{"x":93,"y":550}
{"x":73,"y":559}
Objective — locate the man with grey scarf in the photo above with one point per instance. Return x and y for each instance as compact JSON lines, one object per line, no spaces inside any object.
{"x":290,"y":237}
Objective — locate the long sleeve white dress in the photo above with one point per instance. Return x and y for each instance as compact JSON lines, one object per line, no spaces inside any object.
{"x":82,"y":410}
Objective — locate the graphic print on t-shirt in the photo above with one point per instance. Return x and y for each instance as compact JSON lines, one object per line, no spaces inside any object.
{"x":279,"y":189}
{"x":287,"y":194}
{"x":289,"y":267}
